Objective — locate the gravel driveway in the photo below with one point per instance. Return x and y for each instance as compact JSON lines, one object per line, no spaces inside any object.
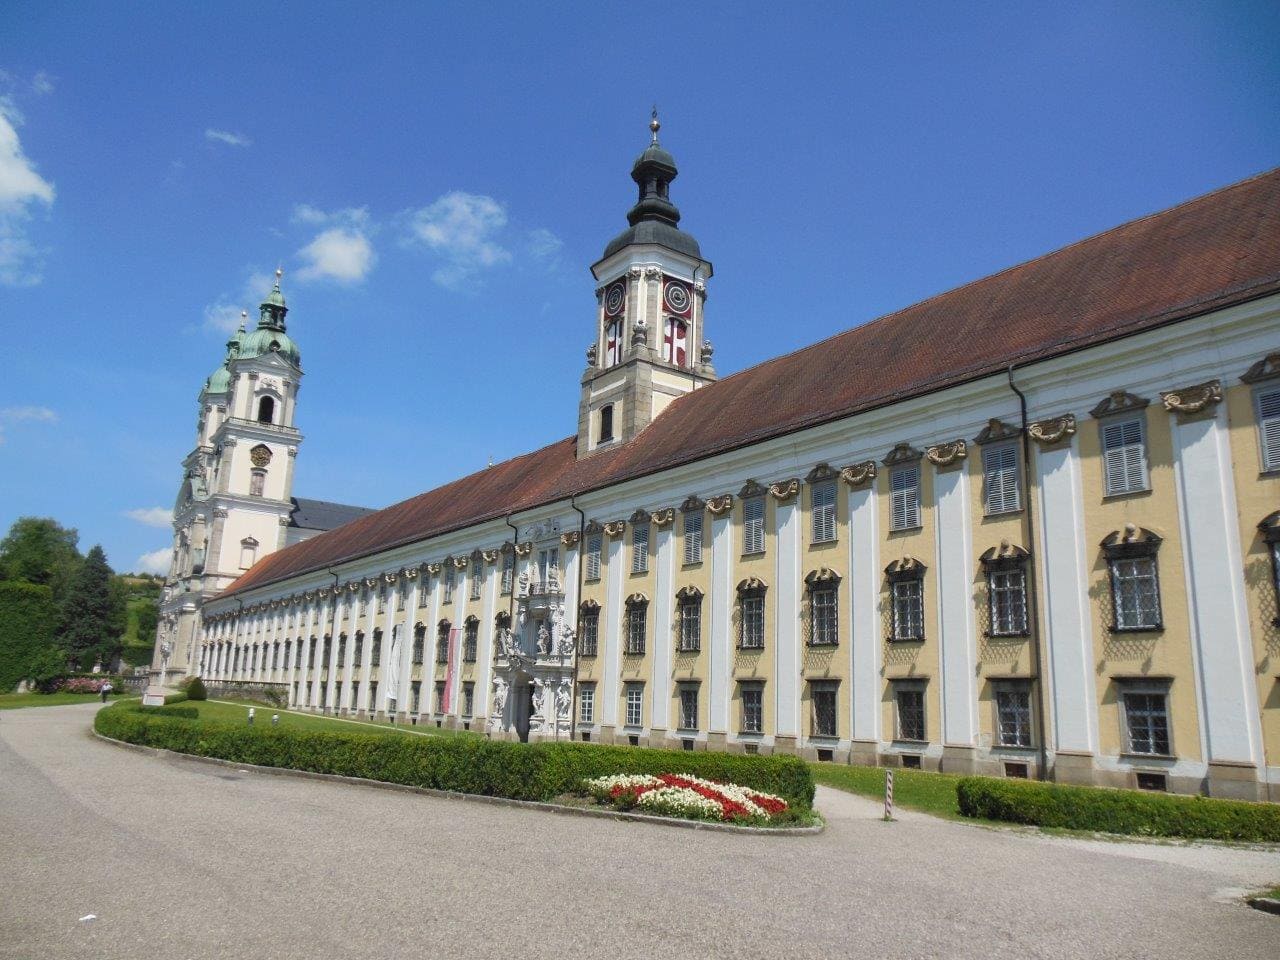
{"x":178,"y":859}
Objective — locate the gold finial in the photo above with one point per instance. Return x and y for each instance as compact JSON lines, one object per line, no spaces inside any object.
{"x":279,"y":274}
{"x":654,"y":125}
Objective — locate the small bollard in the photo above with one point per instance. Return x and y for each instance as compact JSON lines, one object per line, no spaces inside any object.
{"x":251,"y":716}
{"x":275,"y":719}
{"x":888,"y":794}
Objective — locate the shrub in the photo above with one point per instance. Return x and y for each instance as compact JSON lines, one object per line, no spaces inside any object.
{"x":1118,"y":811}
{"x":194,"y":688}
{"x":493,"y":768}
{"x":186,"y":713}
{"x":27,"y":619}
{"x":178,"y":697}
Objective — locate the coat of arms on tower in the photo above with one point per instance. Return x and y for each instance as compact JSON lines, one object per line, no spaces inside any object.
{"x":260,"y":455}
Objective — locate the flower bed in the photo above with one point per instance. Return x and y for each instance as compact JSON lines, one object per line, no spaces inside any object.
{"x":80,"y":685}
{"x":682,"y":795}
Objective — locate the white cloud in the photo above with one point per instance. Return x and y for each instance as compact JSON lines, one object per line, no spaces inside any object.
{"x":155,"y":562}
{"x":463,"y":228}
{"x":151,"y":516}
{"x":21,"y":188}
{"x":544,"y":245}
{"x":223,"y":315}
{"x":340,"y":254}
{"x":227,"y":137}
{"x":42,"y":83}
{"x":27,"y":414}
{"x":314,"y":216}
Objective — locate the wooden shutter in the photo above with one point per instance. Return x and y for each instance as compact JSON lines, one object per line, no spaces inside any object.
{"x":753,"y":523}
{"x":1124,"y":456}
{"x":1000,"y":466}
{"x":692,"y":538}
{"x":905,"y":498}
{"x":1269,"y":426}
{"x":824,"y":512}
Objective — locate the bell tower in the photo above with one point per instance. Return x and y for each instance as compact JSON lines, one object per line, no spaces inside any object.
{"x":650,"y":345}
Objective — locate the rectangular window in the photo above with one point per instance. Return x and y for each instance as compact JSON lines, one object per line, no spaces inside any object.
{"x":635,"y":704}
{"x":468,"y":698}
{"x":587,"y":703}
{"x":1013,"y":714}
{"x":753,"y":525}
{"x":637,"y":616}
{"x":606,"y":421}
{"x":477,"y":581}
{"x":419,"y":643}
{"x":358,"y":656}
{"x":1269,"y":428}
{"x":1136,"y":593}
{"x":256,"y":481}
{"x":751,"y":616}
{"x":449,"y":582}
{"x":442,"y":644}
{"x":373,"y":697}
{"x":342,"y":649}
{"x":824,"y":616}
{"x":752,"y":708}
{"x":824,"y":512}
{"x":508,"y":572}
{"x":640,"y":548}
{"x":909,"y":701}
{"x":908,"y":609}
{"x":904,"y":497}
{"x":1007,"y":595}
{"x":297,"y":654}
{"x":1000,"y":479}
{"x":355,"y":695}
{"x":822,"y":693}
{"x":688,"y":706}
{"x":470,"y":641}
{"x":593,"y":556}
{"x":376,"y":654}
{"x":693,"y":537}
{"x":690,"y":624}
{"x":589,"y":632}
{"x":400,"y":596}
{"x":439,"y":696}
{"x":422,"y":592}
{"x":1146,"y":720}
{"x":1124,"y":456}
{"x":415,"y":696}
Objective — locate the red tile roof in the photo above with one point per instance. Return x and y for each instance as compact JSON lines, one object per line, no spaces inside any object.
{"x":1208,"y":253}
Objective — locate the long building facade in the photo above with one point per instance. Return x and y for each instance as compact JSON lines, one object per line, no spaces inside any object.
{"x":1030,"y":527}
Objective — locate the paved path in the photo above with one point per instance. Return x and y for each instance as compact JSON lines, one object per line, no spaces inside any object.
{"x":183,"y":860}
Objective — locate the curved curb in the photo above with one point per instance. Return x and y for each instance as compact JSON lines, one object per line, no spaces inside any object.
{"x":559,"y":808}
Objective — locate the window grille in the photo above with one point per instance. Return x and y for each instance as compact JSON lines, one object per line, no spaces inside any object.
{"x":449,"y":581}
{"x":588,"y":631}
{"x":587,"y":704}
{"x":477,"y":581}
{"x":1007,"y":600}
{"x":752,"y":708}
{"x":1269,"y":428}
{"x":594,"y":542}
{"x":1124,"y":456}
{"x":508,"y":571}
{"x":1013,"y":715}
{"x":415,"y":696}
{"x":373,"y":696}
{"x":297,"y":654}
{"x":824,"y":512}
{"x":342,"y":649}
{"x":824,"y":617}
{"x":468,"y":698}
{"x":693,"y":537}
{"x":635,"y":704}
{"x":376,"y":654}
{"x":1136,"y":593}
{"x":442,"y":643}
{"x":1147,"y":722}
{"x":908,"y":609}
{"x":904,"y":497}
{"x":753,"y":525}
{"x":358,"y":657}
{"x":470,"y":640}
{"x":637,"y":615}
{"x":751,"y":619}
{"x":439,"y":696}
{"x":910,"y":704}
{"x":419,"y":643}
{"x":823,"y":696}
{"x":690,"y":623}
{"x":688,"y":707}
{"x":1000,"y":478}
{"x":640,"y":548}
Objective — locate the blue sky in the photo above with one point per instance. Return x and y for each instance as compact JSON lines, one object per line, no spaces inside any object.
{"x":436,"y":179}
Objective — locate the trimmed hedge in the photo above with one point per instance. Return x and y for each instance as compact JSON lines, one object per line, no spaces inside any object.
{"x":1118,"y":811}
{"x":493,"y":768}
{"x":186,"y":713}
{"x":27,"y":617}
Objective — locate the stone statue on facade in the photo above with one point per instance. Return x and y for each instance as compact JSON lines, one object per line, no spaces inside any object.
{"x":544,"y":638}
{"x":499,"y":702}
{"x":539,"y":697}
{"x":563,"y":700}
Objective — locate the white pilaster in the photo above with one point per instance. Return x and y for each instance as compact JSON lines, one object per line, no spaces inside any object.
{"x":786,"y":687}
{"x":957,"y":636}
{"x":721,"y":634}
{"x":660,"y":709}
{"x":349,"y":655}
{"x":366,"y":654}
{"x":406,"y":647}
{"x":865,"y":631}
{"x":612,"y":638}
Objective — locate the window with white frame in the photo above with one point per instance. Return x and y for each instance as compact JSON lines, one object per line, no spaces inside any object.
{"x":1135,"y":579}
{"x":1124,"y":455}
{"x":909,"y":717}
{"x":906,"y":586}
{"x":588,"y":628}
{"x":1146,"y":718}
{"x":637,"y":625}
{"x":1013,"y":713}
{"x":1269,"y":427}
{"x":477,"y":578}
{"x":508,"y":570}
{"x":257,"y":480}
{"x":594,"y":543}
{"x":824,"y":511}
{"x":587,"y":703}
{"x":693,"y":536}
{"x":470,"y":639}
{"x":824,"y":608}
{"x":751,"y":614}
{"x":822,"y":696}
{"x":904,"y":497}
{"x":635,"y":704}
{"x":689,"y":609}
{"x":419,"y":643}
{"x":1000,"y":483}
{"x":1005,"y":568}
{"x":688,"y":706}
{"x":440,"y":693}
{"x":468,"y":698}
{"x":248,"y":552}
{"x":752,"y":707}
{"x":753,"y":525}
{"x":449,"y":583}
{"x":375,"y":658}
{"x":639,"y":547}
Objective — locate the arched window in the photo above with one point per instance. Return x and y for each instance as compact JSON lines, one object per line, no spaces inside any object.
{"x":1135,"y":579}
{"x":588,"y":628}
{"x":267,"y":410}
{"x":248,"y":552}
{"x":824,"y":607}
{"x":751,"y":613}
{"x":906,"y":589}
{"x":419,"y":642}
{"x":606,"y":423}
{"x":442,"y":641}
{"x":675,"y":342}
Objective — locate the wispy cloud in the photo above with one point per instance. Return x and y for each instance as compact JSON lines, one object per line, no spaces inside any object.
{"x":224,"y":314}
{"x":313,"y":216}
{"x":151,"y":516}
{"x":21,"y":189}
{"x":343,"y":252}
{"x":27,"y":414}
{"x":226,"y":136}
{"x":157,"y":561}
{"x":42,"y":83}
{"x":464,"y":230}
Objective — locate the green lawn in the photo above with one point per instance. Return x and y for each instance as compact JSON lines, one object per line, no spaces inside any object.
{"x":238,"y":712}
{"x":912,"y":789}
{"x":16,"y":701}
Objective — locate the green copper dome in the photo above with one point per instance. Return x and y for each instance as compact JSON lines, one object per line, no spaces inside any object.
{"x":270,"y":336}
{"x":219,"y":381}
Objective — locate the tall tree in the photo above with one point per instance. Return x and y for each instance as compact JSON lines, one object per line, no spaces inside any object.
{"x":92,"y":613}
{"x":40,"y":550}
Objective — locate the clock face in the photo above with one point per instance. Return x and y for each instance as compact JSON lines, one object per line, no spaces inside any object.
{"x":677,"y":297}
{"x":614,"y":299}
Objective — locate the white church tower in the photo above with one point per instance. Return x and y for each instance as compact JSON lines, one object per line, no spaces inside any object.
{"x":235,"y":504}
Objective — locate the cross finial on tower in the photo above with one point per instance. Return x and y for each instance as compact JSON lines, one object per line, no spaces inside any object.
{"x":654,"y":125}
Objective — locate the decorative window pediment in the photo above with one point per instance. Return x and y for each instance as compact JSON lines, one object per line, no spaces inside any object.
{"x":823,"y":575}
{"x":693,"y":503}
{"x":471,"y":620}
{"x":588,"y":605}
{"x":996,"y":429}
{"x":1192,"y":400}
{"x":489,"y":556}
{"x":1268,"y":368}
{"x":595,"y":526}
{"x":689,"y":593}
{"x":636,"y":600}
{"x":1270,"y":527}
{"x":640,"y":516}
{"x":1005,"y":554}
{"x":751,"y":489}
{"x":908,"y":568}
{"x":823,"y":471}
{"x":570,"y":538}
{"x":503,"y":620}
{"x":1118,"y":401}
{"x":902,"y":453}
{"x":752,"y":585}
{"x":859,"y":474}
{"x":524,"y":549}
{"x":1132,"y":541}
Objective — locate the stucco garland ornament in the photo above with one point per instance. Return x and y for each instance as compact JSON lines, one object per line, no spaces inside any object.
{"x":663,"y":517}
{"x":947,"y":454}
{"x":1192,"y":400}
{"x":784,"y":490}
{"x":859,"y":474}
{"x":721,"y":504}
{"x":1054,"y":430}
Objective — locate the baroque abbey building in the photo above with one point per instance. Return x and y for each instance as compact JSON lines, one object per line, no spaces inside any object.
{"x":1028,"y":527}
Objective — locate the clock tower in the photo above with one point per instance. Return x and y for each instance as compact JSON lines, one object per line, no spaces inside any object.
{"x":650,"y":345}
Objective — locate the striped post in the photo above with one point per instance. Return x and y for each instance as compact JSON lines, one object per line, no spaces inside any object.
{"x":888,"y":794}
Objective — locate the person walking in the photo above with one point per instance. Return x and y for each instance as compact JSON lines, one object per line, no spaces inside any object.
{"x":105,"y":689}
